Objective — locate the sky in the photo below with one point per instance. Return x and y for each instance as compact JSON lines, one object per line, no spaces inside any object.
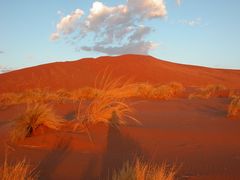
{"x":199,"y":32}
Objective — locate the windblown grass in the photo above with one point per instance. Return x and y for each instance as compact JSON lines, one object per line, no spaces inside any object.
{"x":7,"y":99}
{"x":167,"y":91}
{"x":109,"y":106}
{"x":86,"y":93}
{"x":36,"y":115}
{"x":17,"y":171}
{"x":162,"y":92}
{"x":213,"y":90}
{"x":36,"y":96}
{"x":140,"y":170}
{"x":234,"y":107}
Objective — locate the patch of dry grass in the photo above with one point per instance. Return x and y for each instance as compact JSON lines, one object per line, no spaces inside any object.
{"x":85,"y":93}
{"x":35,"y":96}
{"x":163,"y":92}
{"x":36,"y":115}
{"x":109,"y":106}
{"x":140,"y":170}
{"x":213,"y":90}
{"x":167,"y":91}
{"x":7,"y":99}
{"x":17,"y":171}
{"x":234,"y":107}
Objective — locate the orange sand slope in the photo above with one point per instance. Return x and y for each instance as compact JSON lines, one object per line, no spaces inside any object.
{"x":193,"y":133}
{"x":75,"y":74}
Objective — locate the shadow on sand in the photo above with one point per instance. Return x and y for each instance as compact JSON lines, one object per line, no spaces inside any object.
{"x":51,"y":161}
{"x":120,"y":149}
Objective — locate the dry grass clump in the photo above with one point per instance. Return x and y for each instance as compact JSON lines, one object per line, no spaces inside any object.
{"x":164,"y":92}
{"x":7,"y":99}
{"x":145,"y":171}
{"x":234,"y":107}
{"x":60,"y":96}
{"x":19,"y":171}
{"x":108,"y":109}
{"x":85,"y":93}
{"x":35,"y":96}
{"x":109,"y":106}
{"x":213,"y":90}
{"x":36,"y":115}
{"x":167,"y":91}
{"x":234,"y":93}
{"x":144,"y":90}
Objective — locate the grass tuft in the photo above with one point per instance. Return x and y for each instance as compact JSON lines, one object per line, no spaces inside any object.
{"x":36,"y":115}
{"x":213,"y":90}
{"x":18,"y":171}
{"x":109,"y":106}
{"x":140,"y":170}
{"x":234,"y":107}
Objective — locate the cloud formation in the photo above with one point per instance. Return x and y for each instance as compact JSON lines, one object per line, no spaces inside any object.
{"x":4,"y":69}
{"x":178,"y":2}
{"x":1,"y":52}
{"x":115,"y":30}
{"x":192,"y":23}
{"x":68,"y":24}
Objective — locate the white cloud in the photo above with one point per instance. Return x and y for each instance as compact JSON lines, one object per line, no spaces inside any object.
{"x":192,"y":23}
{"x":67,"y":24}
{"x":140,"y":47}
{"x":139,"y":33}
{"x":148,"y":8}
{"x":4,"y":69}
{"x":112,"y":27}
{"x":178,"y":2}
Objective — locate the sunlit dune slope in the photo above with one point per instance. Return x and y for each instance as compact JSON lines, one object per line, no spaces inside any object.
{"x":74,"y":74}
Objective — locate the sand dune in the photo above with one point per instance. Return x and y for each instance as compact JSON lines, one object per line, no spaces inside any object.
{"x":194,"y":134}
{"x":75,"y":74}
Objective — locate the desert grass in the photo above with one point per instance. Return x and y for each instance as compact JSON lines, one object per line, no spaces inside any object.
{"x":85,"y":93}
{"x":167,"y":91}
{"x":110,"y":106}
{"x":20,"y":170}
{"x":140,"y":170}
{"x":161,"y":92}
{"x":107,"y":109}
{"x":234,"y":107}
{"x":36,"y":96}
{"x":213,"y":90}
{"x":118,"y":88}
{"x":36,"y":115}
{"x":7,"y":99}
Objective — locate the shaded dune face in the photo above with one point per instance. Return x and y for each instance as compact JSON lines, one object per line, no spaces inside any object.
{"x":140,"y":68}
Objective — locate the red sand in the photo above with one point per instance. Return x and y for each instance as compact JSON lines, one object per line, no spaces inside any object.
{"x":75,"y":74}
{"x":193,"y":133}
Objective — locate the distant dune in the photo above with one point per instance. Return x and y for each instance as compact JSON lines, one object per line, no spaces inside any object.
{"x":140,"y":68}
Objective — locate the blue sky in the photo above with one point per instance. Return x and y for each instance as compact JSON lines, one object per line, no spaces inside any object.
{"x":199,"y":32}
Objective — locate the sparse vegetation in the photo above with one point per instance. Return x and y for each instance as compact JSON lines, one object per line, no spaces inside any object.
{"x":84,"y":93}
{"x":163,"y":92}
{"x":116,"y":89}
{"x":213,"y":90}
{"x":18,"y":171}
{"x":7,"y":99}
{"x":140,"y":170}
{"x":109,"y":106}
{"x":36,"y":115}
{"x":234,"y":107}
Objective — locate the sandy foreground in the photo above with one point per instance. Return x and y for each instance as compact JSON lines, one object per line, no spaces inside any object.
{"x":194,"y":134}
